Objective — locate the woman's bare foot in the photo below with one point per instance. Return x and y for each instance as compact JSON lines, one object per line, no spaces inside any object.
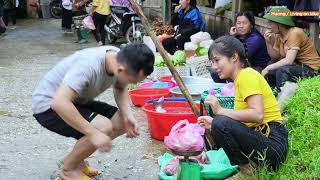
{"x":246,"y":172}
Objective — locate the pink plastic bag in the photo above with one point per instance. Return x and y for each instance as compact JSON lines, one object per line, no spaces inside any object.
{"x":171,"y":167}
{"x":88,"y":23}
{"x":226,"y":91}
{"x":185,"y":136}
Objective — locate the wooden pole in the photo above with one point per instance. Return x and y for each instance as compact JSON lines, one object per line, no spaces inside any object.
{"x":169,"y":64}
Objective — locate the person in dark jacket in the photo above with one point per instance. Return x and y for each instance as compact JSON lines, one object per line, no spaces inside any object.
{"x":188,"y":18}
{"x":253,"y":41}
{"x":10,"y":12}
{"x":3,"y":27}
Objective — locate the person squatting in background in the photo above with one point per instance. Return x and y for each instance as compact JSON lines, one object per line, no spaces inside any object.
{"x":188,"y":18}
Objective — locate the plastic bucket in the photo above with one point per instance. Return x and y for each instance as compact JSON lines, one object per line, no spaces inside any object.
{"x":160,"y":124}
{"x":166,"y":78}
{"x":140,"y":96}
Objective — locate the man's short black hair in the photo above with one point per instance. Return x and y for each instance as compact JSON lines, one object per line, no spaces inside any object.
{"x":136,"y":57}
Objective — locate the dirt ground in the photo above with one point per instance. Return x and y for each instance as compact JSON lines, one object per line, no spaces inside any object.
{"x":28,"y":151}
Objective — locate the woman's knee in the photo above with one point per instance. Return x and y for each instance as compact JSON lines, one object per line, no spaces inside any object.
{"x":221,"y":123}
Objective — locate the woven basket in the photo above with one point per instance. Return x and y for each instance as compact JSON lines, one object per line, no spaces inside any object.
{"x":164,"y":71}
{"x":198,"y":66}
{"x":225,"y":102}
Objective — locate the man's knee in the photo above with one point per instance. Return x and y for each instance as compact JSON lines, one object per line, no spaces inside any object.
{"x":103,"y":124}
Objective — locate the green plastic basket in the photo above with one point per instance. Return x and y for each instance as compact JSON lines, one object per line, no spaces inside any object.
{"x":225,"y":102}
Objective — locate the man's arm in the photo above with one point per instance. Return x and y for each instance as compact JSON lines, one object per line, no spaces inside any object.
{"x":122,"y":100}
{"x":63,"y":105}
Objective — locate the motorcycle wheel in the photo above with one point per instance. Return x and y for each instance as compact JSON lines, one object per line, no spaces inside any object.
{"x":140,"y":31}
{"x":56,"y":10}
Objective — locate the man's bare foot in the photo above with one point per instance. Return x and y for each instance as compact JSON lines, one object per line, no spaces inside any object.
{"x":88,"y":170}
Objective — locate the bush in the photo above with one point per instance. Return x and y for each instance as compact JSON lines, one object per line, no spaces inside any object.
{"x":303,"y":112}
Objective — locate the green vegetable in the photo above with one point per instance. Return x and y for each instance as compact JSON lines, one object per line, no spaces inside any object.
{"x":201,"y":51}
{"x":158,"y":61}
{"x":180,"y":56}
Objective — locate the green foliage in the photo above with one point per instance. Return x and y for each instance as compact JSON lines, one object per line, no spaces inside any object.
{"x":303,"y":111}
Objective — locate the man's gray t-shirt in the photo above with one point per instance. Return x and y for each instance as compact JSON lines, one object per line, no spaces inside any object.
{"x":84,"y":72}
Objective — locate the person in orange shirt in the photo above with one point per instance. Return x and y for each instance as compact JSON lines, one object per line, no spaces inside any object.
{"x":294,"y":54}
{"x":253,"y":131}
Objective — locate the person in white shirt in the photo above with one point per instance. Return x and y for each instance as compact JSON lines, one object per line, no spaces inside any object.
{"x":66,"y":15}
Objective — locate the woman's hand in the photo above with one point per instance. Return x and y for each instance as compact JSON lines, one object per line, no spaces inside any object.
{"x":177,"y":8}
{"x":269,"y":37}
{"x":233,"y":31}
{"x":265,"y":71}
{"x":214,"y":104}
{"x":205,"y":121}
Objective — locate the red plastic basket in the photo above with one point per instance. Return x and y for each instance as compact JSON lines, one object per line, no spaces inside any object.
{"x":166,"y":78}
{"x":140,"y":96}
{"x":160,"y":124}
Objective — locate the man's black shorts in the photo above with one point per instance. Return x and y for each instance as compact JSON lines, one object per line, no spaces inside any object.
{"x":52,"y":121}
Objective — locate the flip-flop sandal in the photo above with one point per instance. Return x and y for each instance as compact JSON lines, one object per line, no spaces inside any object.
{"x":90,"y":171}
{"x":84,"y":178}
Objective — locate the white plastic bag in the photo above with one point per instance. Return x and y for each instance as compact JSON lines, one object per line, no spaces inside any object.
{"x":199,"y":37}
{"x":190,"y":46}
{"x":221,"y":3}
{"x":206,"y":43}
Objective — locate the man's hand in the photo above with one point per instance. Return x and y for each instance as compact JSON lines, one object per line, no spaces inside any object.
{"x":269,"y":37}
{"x":131,"y":126}
{"x":214,"y":104}
{"x":233,"y":31}
{"x":205,"y":121}
{"x":101,"y":141}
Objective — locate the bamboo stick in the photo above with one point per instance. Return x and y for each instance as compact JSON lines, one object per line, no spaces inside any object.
{"x":168,"y":62}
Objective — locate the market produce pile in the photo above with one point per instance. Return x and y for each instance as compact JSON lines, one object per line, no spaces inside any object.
{"x":178,"y":59}
{"x":160,"y":29}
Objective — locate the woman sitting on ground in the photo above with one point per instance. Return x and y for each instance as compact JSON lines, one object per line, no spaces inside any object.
{"x":188,"y":18}
{"x":253,"y":130}
{"x":254,"y":42}
{"x":294,"y":53}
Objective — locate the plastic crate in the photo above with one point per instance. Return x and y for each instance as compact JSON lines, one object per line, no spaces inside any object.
{"x":198,"y":66}
{"x":164,"y":71}
{"x":225,"y":102}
